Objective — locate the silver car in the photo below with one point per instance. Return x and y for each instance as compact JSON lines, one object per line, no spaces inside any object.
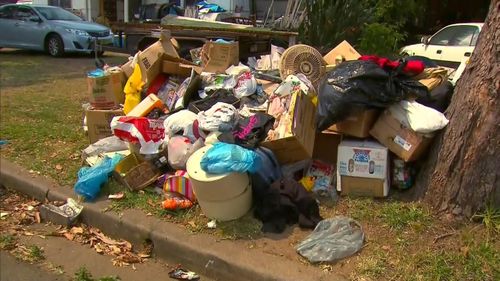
{"x":49,"y":28}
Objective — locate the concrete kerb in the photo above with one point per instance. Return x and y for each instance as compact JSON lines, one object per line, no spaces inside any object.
{"x":221,"y":260}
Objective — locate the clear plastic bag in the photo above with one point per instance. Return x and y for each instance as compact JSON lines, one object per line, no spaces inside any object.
{"x":332,"y":239}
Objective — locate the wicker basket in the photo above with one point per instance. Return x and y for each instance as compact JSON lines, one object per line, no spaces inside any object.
{"x":135,"y":173}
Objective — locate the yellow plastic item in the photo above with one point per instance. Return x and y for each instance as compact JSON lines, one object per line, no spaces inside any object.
{"x":133,"y":90}
{"x":149,"y":103}
{"x":307,"y":182}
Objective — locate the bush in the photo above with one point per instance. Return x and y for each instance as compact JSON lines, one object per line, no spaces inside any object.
{"x":380,"y":39}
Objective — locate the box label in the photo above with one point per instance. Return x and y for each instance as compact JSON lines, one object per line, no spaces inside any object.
{"x":362,"y":162}
{"x":403,"y":143}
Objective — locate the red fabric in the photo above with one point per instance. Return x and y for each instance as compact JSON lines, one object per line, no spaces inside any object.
{"x":413,"y":67}
{"x":156,"y":84}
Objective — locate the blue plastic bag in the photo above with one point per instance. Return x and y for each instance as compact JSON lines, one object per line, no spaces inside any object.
{"x":90,"y":179}
{"x":224,"y":158}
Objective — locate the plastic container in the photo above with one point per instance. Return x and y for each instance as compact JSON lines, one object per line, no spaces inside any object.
{"x":212,"y":187}
{"x":227,"y":210}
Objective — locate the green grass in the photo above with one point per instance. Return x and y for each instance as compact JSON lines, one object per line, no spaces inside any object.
{"x":398,"y":215}
{"x":35,"y":253}
{"x":83,"y":274}
{"x":7,"y":242}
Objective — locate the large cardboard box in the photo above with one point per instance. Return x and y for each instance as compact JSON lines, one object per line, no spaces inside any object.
{"x":402,"y":141}
{"x":106,"y":92}
{"x":363,"y":168}
{"x":151,"y":59}
{"x":358,"y":124}
{"x":326,"y":146}
{"x":217,"y":57}
{"x":300,"y":145}
{"x":343,"y":49}
{"x":98,"y":123}
{"x":178,"y":66}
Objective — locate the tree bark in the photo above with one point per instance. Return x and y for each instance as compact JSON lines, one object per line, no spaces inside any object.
{"x":462,"y":172}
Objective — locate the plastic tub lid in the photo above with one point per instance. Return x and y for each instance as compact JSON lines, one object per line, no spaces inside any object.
{"x":195,"y":171}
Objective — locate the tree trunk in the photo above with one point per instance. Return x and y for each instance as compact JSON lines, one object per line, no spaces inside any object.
{"x":462,"y":172}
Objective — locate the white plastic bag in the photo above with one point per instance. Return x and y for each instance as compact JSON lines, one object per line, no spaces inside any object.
{"x":418,"y":117}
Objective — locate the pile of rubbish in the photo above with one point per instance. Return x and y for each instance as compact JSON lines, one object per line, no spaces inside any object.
{"x":232,"y":137}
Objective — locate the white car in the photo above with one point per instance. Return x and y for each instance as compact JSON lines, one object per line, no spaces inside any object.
{"x":449,"y":46}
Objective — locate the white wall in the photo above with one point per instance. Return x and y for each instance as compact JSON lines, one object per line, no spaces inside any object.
{"x":229,"y":5}
{"x":41,"y":2}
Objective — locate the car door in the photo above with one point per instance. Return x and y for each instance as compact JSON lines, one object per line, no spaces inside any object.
{"x":7,"y":27}
{"x":452,"y":44}
{"x":28,"y":33}
{"x":461,"y":45}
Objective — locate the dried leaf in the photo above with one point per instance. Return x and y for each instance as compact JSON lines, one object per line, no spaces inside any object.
{"x":117,"y":196}
{"x":76,"y":230}
{"x":192,"y":224}
{"x":27,"y":233}
{"x":143,"y":256}
{"x":116,"y":250}
{"x":69,"y":236}
{"x":37,"y":217}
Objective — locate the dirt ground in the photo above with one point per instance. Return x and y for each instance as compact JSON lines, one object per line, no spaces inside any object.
{"x":41,"y":118}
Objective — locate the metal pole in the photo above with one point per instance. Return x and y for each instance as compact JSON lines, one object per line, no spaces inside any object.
{"x":126,"y":6}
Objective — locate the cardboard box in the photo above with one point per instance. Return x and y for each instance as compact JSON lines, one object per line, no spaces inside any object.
{"x":217,"y":57}
{"x":358,"y":124}
{"x":326,"y":146}
{"x":98,"y":123}
{"x":178,"y":66}
{"x":300,"y":146}
{"x":343,"y":49}
{"x":106,"y":92}
{"x":405,"y":143}
{"x":363,"y":168}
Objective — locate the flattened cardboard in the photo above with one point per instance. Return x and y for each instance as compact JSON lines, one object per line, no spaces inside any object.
{"x":363,"y":168}
{"x":326,"y":147}
{"x":404,"y":142}
{"x":98,"y":123}
{"x":217,"y":57}
{"x":343,"y":49}
{"x":300,"y":146}
{"x":106,"y":92}
{"x":358,"y":124}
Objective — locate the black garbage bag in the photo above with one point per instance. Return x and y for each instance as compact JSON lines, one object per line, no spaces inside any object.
{"x":362,"y":84}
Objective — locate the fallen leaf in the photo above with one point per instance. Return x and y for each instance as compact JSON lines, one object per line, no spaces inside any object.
{"x":69,"y":236}
{"x":37,"y":217}
{"x":27,"y":233}
{"x":149,"y":214}
{"x":76,"y":230}
{"x":119,"y":195}
{"x":42,"y":236}
{"x":143,"y":256}
{"x":192,"y":224}
{"x":3,"y":214}
{"x":30,"y":208}
{"x":116,"y":250}
{"x":59,"y":167}
{"x":133,"y":267}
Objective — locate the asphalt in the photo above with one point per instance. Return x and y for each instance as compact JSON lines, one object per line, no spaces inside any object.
{"x":220,"y":260}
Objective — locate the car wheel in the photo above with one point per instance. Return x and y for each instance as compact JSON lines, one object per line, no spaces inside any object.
{"x":55,"y":46}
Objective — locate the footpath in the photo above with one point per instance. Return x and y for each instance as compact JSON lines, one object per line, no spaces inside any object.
{"x":202,"y":253}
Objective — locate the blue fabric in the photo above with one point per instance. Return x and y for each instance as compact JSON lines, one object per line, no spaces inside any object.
{"x":96,"y":73}
{"x":212,"y":8}
{"x":90,"y":179}
{"x":224,"y":158}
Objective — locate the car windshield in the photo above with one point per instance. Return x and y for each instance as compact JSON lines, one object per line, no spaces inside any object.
{"x":55,"y":13}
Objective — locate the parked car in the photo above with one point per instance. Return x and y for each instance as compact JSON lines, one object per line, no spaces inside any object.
{"x":49,"y":28}
{"x":449,"y":46}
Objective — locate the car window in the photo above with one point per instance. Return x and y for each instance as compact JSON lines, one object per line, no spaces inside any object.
{"x":56,"y":13}
{"x":7,"y":12}
{"x":444,"y":36}
{"x":463,"y":36}
{"x":23,"y":13}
